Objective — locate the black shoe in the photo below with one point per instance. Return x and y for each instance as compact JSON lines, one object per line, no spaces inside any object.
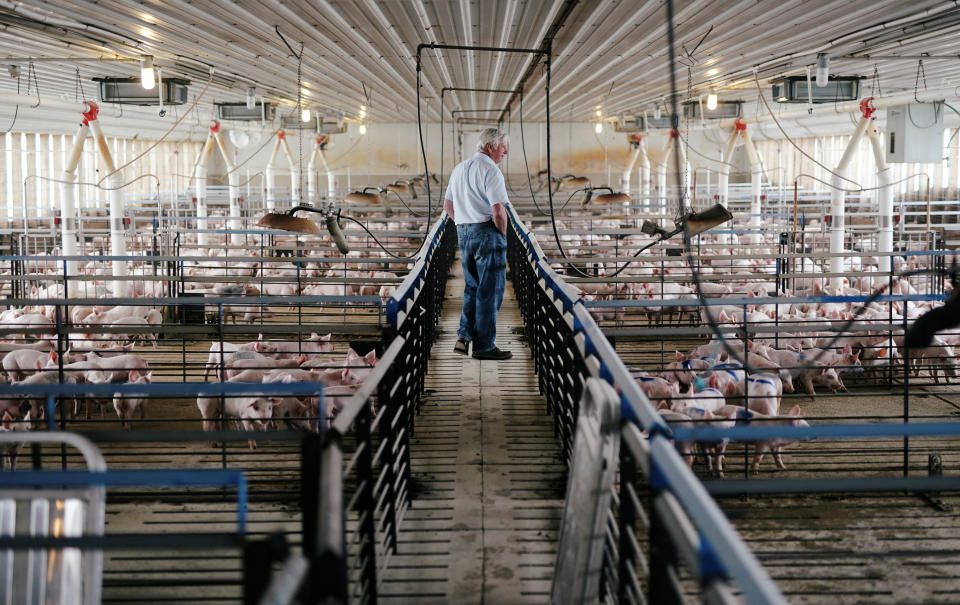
{"x":493,"y":353}
{"x":461,"y":347}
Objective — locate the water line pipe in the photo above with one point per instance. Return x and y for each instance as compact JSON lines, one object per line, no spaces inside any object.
{"x":884,"y":194}
{"x":271,"y":174}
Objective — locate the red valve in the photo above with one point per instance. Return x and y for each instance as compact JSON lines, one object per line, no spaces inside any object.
{"x":90,"y":115}
{"x":866,"y":109}
{"x":896,"y":219}
{"x":674,"y":134}
{"x":126,"y":221}
{"x":214,"y":126}
{"x":763,"y":198}
{"x":716,"y":196}
{"x":56,"y":220}
{"x":194,"y":200}
{"x":739,"y":124}
{"x":826,"y":219}
{"x":281,"y":135}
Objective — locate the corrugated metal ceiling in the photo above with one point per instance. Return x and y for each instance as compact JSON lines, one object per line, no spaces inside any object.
{"x":609,"y":53}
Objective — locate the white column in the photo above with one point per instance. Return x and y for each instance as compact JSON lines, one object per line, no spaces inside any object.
{"x":885,"y":193}
{"x":235,"y":221}
{"x":118,"y":235}
{"x":200,"y":180}
{"x":294,"y":174}
{"x":662,"y":183}
{"x":68,"y":200}
{"x":312,"y":175}
{"x":644,"y":171}
{"x":837,"y":199}
{"x":756,"y":180}
{"x":270,"y":175}
{"x":625,"y":178}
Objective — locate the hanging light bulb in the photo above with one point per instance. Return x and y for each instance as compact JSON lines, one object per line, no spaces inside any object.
{"x":363,"y":129}
{"x":147,"y":79}
{"x":823,"y":69}
{"x":599,"y":113}
{"x":305,"y":114}
{"x":598,"y":128}
{"x":656,"y":111}
{"x":712,"y":100}
{"x":251,"y":97}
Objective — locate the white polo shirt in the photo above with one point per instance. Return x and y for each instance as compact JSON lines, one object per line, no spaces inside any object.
{"x":475,"y":186}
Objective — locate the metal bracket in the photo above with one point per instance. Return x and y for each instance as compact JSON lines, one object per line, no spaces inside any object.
{"x":935,"y":469}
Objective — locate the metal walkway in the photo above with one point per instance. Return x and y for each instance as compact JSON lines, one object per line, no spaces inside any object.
{"x":488,"y":478}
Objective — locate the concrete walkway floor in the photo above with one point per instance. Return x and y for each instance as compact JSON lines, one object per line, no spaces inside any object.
{"x":488,"y":478}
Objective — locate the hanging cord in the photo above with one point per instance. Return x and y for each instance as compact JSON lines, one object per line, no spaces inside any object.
{"x":258,"y":150}
{"x":875,"y":90}
{"x":526,"y":164}
{"x":166,"y":134}
{"x":299,"y":114}
{"x":78,"y":87}
{"x":32,"y":75}
{"x":922,"y":73}
{"x":16,"y":111}
{"x":396,"y":256}
{"x":423,"y":151}
{"x":411,"y":210}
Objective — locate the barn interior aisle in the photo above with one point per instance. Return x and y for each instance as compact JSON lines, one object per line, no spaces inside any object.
{"x":488,"y":476}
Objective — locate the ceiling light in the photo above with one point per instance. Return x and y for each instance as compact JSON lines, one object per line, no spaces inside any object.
{"x":363,"y":113}
{"x":14,"y":71}
{"x":147,"y":79}
{"x":599,"y":113}
{"x":363,"y":129}
{"x":823,"y":69}
{"x":363,"y":108}
{"x":305,"y":114}
{"x":598,"y":128}
{"x":656,"y":111}
{"x":712,"y":100}
{"x":251,"y":97}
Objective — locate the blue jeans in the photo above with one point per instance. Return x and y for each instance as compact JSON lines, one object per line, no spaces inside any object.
{"x":483,"y":251}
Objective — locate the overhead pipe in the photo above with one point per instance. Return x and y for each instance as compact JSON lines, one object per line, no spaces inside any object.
{"x":837,"y":199}
{"x":118,"y":232}
{"x":235,"y":220}
{"x":662,"y":182}
{"x":644,"y":170}
{"x":723,"y":176}
{"x":318,"y":154}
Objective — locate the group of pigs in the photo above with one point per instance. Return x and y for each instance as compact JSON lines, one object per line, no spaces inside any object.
{"x":281,"y":361}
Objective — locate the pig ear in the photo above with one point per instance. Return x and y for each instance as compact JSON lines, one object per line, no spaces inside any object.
{"x":662,"y":405}
{"x":327,"y":337}
{"x":53,"y":357}
{"x":351,"y":354}
{"x":882,"y":353}
{"x":795,"y":411}
{"x":39,"y":364}
{"x":150,"y":376}
{"x":847,"y":350}
{"x":371,"y":357}
{"x":258,"y":346}
{"x":707,"y":415}
{"x":260,"y":336}
{"x":134,"y":375}
{"x":678,"y":355}
{"x":712,"y":383}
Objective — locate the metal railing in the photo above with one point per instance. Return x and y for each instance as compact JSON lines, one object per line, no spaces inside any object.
{"x":568,"y":348}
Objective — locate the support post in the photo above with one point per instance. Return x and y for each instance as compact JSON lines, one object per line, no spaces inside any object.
{"x":235,"y":222}
{"x":837,"y":200}
{"x":68,"y":191}
{"x":884,"y":194}
{"x":118,"y":234}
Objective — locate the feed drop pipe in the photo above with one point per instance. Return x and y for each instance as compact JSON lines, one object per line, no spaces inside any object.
{"x":644,"y":171}
{"x":294,"y":173}
{"x":319,"y":153}
{"x":756,"y":180}
{"x":837,"y":199}
{"x":723,"y":177}
{"x":200,"y":176}
{"x":885,"y":193}
{"x":634,"y":141}
{"x":662,"y":183}
{"x":118,"y":234}
{"x":68,"y":190}
{"x":271,"y":174}
{"x":235,"y":222}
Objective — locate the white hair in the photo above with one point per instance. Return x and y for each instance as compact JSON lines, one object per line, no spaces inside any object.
{"x":491,"y":136}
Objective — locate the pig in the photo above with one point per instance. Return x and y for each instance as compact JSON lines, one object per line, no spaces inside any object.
{"x":822,"y":376}
{"x":687,"y":449}
{"x":38,"y":325}
{"x":11,"y":450}
{"x":213,"y":360}
{"x":706,"y":399}
{"x":295,"y":413}
{"x":658,"y":389}
{"x":714,"y":451}
{"x":728,"y":378}
{"x":683,"y":370}
{"x":773,"y":446}
{"x":764,"y":391}
{"x":20,"y":364}
{"x":239,"y":365}
{"x":292,"y":348}
{"x":126,"y":406}
{"x":762,"y":363}
{"x":117,"y":369}
{"x":37,"y":403}
{"x":248,"y":413}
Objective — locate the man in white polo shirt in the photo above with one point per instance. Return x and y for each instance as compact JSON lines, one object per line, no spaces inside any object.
{"x":475,"y":200}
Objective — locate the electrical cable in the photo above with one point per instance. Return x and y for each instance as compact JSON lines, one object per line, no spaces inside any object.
{"x":16,"y":112}
{"x":409,"y":209}
{"x":252,"y":155}
{"x":364,"y":227}
{"x":526,"y":164}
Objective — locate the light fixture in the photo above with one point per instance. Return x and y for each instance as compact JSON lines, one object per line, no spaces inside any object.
{"x":823,"y":69}
{"x":695,"y":222}
{"x":712,"y":100}
{"x":305,"y":114}
{"x":14,"y":71}
{"x":288,"y":222}
{"x":363,"y":112}
{"x":598,"y":128}
{"x":612,"y":197}
{"x":251,"y":97}
{"x":656,"y":111}
{"x":599,"y":113}
{"x":147,"y":79}
{"x":363,"y":108}
{"x":363,"y":129}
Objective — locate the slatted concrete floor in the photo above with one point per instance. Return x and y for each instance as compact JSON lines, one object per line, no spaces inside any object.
{"x":488,"y":478}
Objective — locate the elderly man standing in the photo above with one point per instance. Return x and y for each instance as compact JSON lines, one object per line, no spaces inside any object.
{"x":475,"y":200}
